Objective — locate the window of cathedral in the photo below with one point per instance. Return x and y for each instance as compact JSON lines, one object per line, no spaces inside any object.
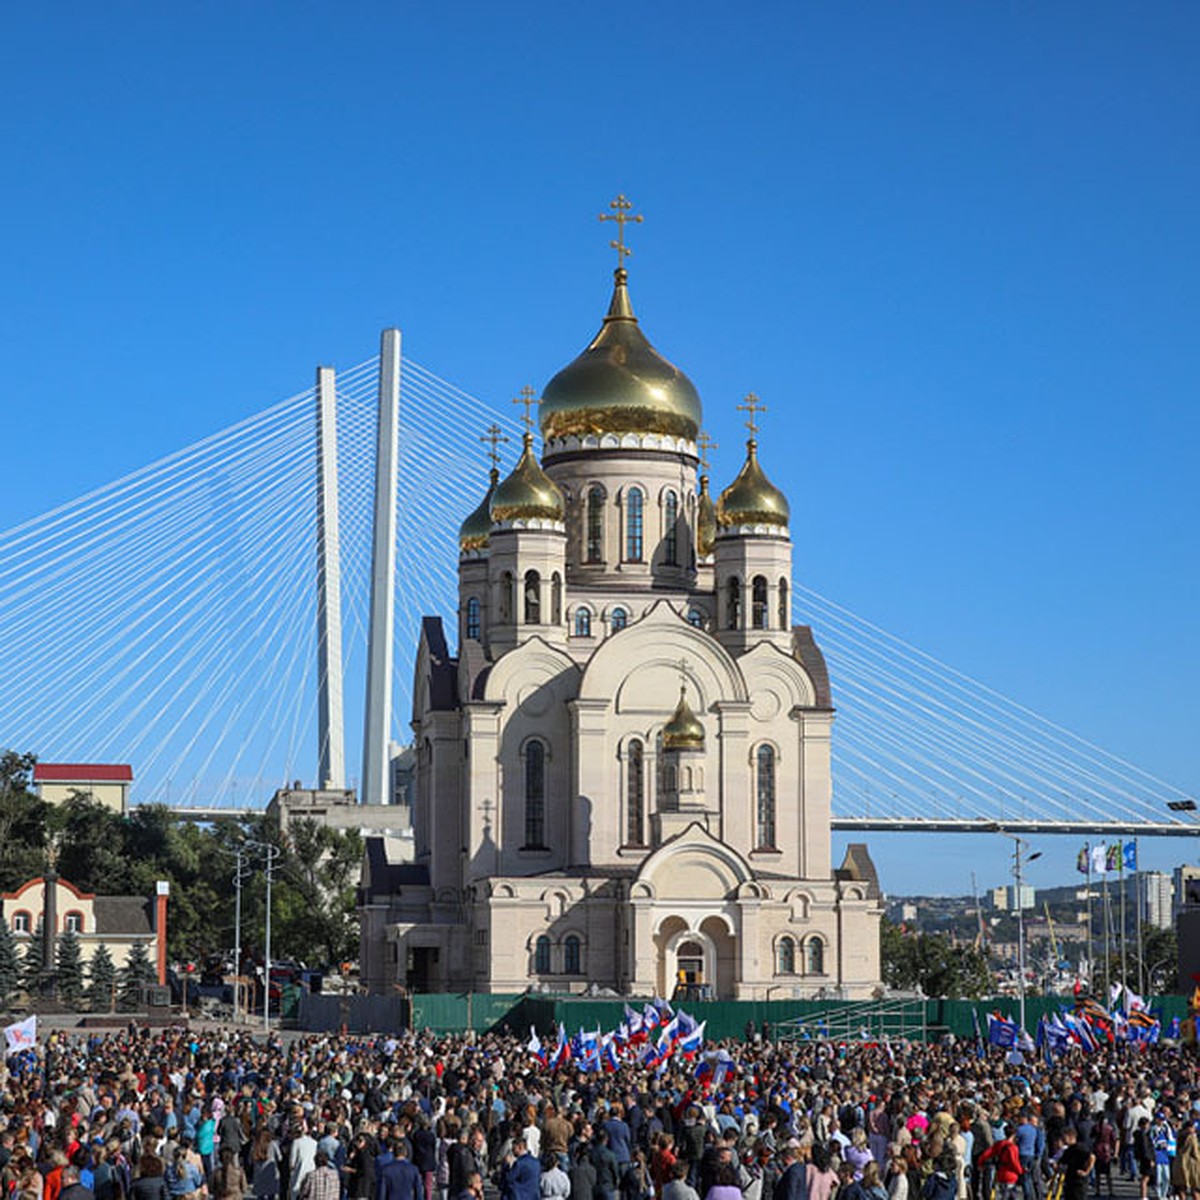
{"x":764,"y":791}
{"x":583,"y":622}
{"x":541,"y":955}
{"x":533,"y":598}
{"x":619,"y":619}
{"x":635,"y":795}
{"x":594,"y":550}
{"x":556,"y":599}
{"x":786,"y":964}
{"x":572,"y":956}
{"x":785,"y":610}
{"x":535,"y":796}
{"x":634,"y":525}
{"x":814,"y":950}
{"x":671,"y":529}
{"x":473,"y":623}
{"x":758,"y":606}
{"x":696,"y":617}
{"x":733,"y":607}
{"x":507,"y":583}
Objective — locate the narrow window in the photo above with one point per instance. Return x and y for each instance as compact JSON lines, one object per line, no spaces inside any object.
{"x":816,"y":956}
{"x":556,"y":599}
{"x":541,"y":955}
{"x":765,"y":790}
{"x":595,"y":524}
{"x":506,"y":597}
{"x":73,"y":923}
{"x":633,"y":525}
{"x":535,"y":794}
{"x":20,"y":922}
{"x":696,"y":618}
{"x":572,"y":959}
{"x":733,"y":618}
{"x":670,"y":530}
{"x":758,"y":608}
{"x":620,"y":618}
{"x":533,"y":598}
{"x":636,"y":794}
{"x":583,"y":622}
{"x":787,"y":957}
{"x":785,"y":611}
{"x":473,"y":618}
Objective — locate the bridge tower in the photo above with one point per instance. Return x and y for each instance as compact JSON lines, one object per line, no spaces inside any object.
{"x":331,"y":737}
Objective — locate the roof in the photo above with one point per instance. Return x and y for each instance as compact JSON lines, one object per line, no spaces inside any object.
{"x":805,"y":648}
{"x":857,"y":867}
{"x":382,"y":877}
{"x":443,"y":670}
{"x":122,"y":915}
{"x":44,"y":772}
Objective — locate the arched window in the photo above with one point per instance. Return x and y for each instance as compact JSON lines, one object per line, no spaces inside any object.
{"x":473,"y":618}
{"x":572,"y":958}
{"x":556,"y":599}
{"x":73,"y":922}
{"x":696,"y":618}
{"x":535,"y":794}
{"x":635,"y":794}
{"x":595,"y":524}
{"x":506,"y":597}
{"x":758,"y":607}
{"x":619,"y":619}
{"x":816,"y":956}
{"x":733,"y":615}
{"x":533,"y":598}
{"x":787,"y":957}
{"x":541,"y":955}
{"x":670,"y":529}
{"x":785,"y":611}
{"x":583,"y":622}
{"x":20,"y":922}
{"x":634,"y":514}
{"x":765,"y":793}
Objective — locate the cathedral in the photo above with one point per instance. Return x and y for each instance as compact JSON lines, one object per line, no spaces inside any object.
{"x":622,"y":751}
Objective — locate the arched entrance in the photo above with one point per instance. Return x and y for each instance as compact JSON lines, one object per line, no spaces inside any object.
{"x":689,"y":962}
{"x":686,"y":957}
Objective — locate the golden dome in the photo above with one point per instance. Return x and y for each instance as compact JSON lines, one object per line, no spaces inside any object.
{"x":684,"y":730}
{"x":620,"y":384}
{"x":528,"y":493}
{"x":706,"y":520}
{"x":752,"y":499}
{"x":473,"y":532}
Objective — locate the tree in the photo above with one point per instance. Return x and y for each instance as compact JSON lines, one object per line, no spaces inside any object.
{"x":137,"y":972}
{"x":23,"y":819}
{"x":31,"y":965}
{"x":10,"y":965}
{"x":102,"y":980}
{"x":933,"y":963}
{"x":68,"y":963}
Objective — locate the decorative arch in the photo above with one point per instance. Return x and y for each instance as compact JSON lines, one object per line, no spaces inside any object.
{"x":815,"y":955}
{"x":695,"y":866}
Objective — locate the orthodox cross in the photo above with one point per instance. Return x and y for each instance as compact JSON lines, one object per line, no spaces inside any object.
{"x":529,"y":398}
{"x":706,"y":444}
{"x":487,"y":807}
{"x":494,"y":436}
{"x":620,"y":213}
{"x":753,"y":407}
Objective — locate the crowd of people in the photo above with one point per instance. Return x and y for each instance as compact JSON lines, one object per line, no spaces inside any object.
{"x":182,"y":1115}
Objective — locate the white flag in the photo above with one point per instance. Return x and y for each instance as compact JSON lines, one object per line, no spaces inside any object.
{"x":22,"y":1035}
{"x":1099,"y":859}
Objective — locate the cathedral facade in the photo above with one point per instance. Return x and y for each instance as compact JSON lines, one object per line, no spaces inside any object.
{"x":622,"y":769}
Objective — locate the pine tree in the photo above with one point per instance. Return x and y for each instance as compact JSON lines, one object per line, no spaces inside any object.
{"x":31,"y":964}
{"x":10,"y":965}
{"x":137,"y":971}
{"x":102,"y":979}
{"x":68,"y":964}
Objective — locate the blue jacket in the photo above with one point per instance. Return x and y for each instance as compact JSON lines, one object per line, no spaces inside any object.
{"x":400,"y":1180}
{"x":522,"y":1181}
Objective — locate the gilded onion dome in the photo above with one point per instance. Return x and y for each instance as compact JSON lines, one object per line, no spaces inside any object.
{"x":684,"y":730}
{"x":706,"y":520}
{"x":620,"y":384}
{"x":752,"y":499}
{"x":528,"y":494}
{"x":473,"y":532}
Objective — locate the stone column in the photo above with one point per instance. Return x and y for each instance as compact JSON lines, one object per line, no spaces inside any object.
{"x":49,"y":929}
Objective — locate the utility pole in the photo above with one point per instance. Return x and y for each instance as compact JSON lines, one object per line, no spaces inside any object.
{"x":271,"y":854}
{"x":1019,"y":847}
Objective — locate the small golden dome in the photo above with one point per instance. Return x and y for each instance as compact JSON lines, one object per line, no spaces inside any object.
{"x":706,"y":520}
{"x":528,"y":493}
{"x":752,"y":499}
{"x":620,"y":384}
{"x":473,"y":532}
{"x":684,"y":730}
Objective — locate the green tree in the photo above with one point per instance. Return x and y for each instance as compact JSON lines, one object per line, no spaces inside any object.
{"x":10,"y":965}
{"x":23,"y":822}
{"x":137,"y":971}
{"x":102,"y":980}
{"x":31,"y":964}
{"x":92,"y":845}
{"x":932,"y":962}
{"x":318,"y":874}
{"x":68,"y":963}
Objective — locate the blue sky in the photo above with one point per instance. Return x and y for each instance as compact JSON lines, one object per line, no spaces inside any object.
{"x":953,"y":247}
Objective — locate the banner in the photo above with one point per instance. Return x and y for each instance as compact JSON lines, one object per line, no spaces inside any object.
{"x":1099,"y":859}
{"x":1131,"y":856}
{"x":22,"y":1035}
{"x":1082,"y":863}
{"x":1114,"y":860}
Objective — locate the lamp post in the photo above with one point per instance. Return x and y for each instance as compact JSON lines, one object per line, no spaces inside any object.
{"x":271,"y":853}
{"x":1019,"y":859}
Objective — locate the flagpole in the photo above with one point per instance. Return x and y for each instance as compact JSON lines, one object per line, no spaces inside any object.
{"x":1106,"y":917}
{"x":1121,"y":885}
{"x":1087,"y":850}
{"x":1137,"y":920}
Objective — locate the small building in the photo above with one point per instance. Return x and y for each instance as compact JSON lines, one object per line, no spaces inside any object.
{"x":106,"y":783}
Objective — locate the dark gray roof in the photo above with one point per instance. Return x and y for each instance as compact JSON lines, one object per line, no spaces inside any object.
{"x":388,"y":878}
{"x":805,"y":648}
{"x":443,"y":670}
{"x":857,"y":867}
{"x":123,"y":915}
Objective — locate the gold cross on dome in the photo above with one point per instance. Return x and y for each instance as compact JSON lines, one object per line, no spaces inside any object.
{"x":494,"y":436}
{"x":529,"y":398}
{"x":620,"y":213}
{"x":705,"y":443}
{"x":753,"y":407}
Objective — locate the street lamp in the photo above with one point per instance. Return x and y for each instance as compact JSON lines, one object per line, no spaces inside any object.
{"x":1019,"y":859}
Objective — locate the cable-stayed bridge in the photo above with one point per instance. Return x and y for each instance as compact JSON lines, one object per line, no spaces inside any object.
{"x":170,"y":619}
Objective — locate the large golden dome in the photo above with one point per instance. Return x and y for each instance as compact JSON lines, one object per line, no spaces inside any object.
{"x":620,"y":384}
{"x":473,"y":532}
{"x":752,"y":499}
{"x":684,"y":730}
{"x":528,"y":494}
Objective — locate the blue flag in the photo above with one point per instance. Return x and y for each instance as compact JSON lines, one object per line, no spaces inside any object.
{"x":1130,"y":853}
